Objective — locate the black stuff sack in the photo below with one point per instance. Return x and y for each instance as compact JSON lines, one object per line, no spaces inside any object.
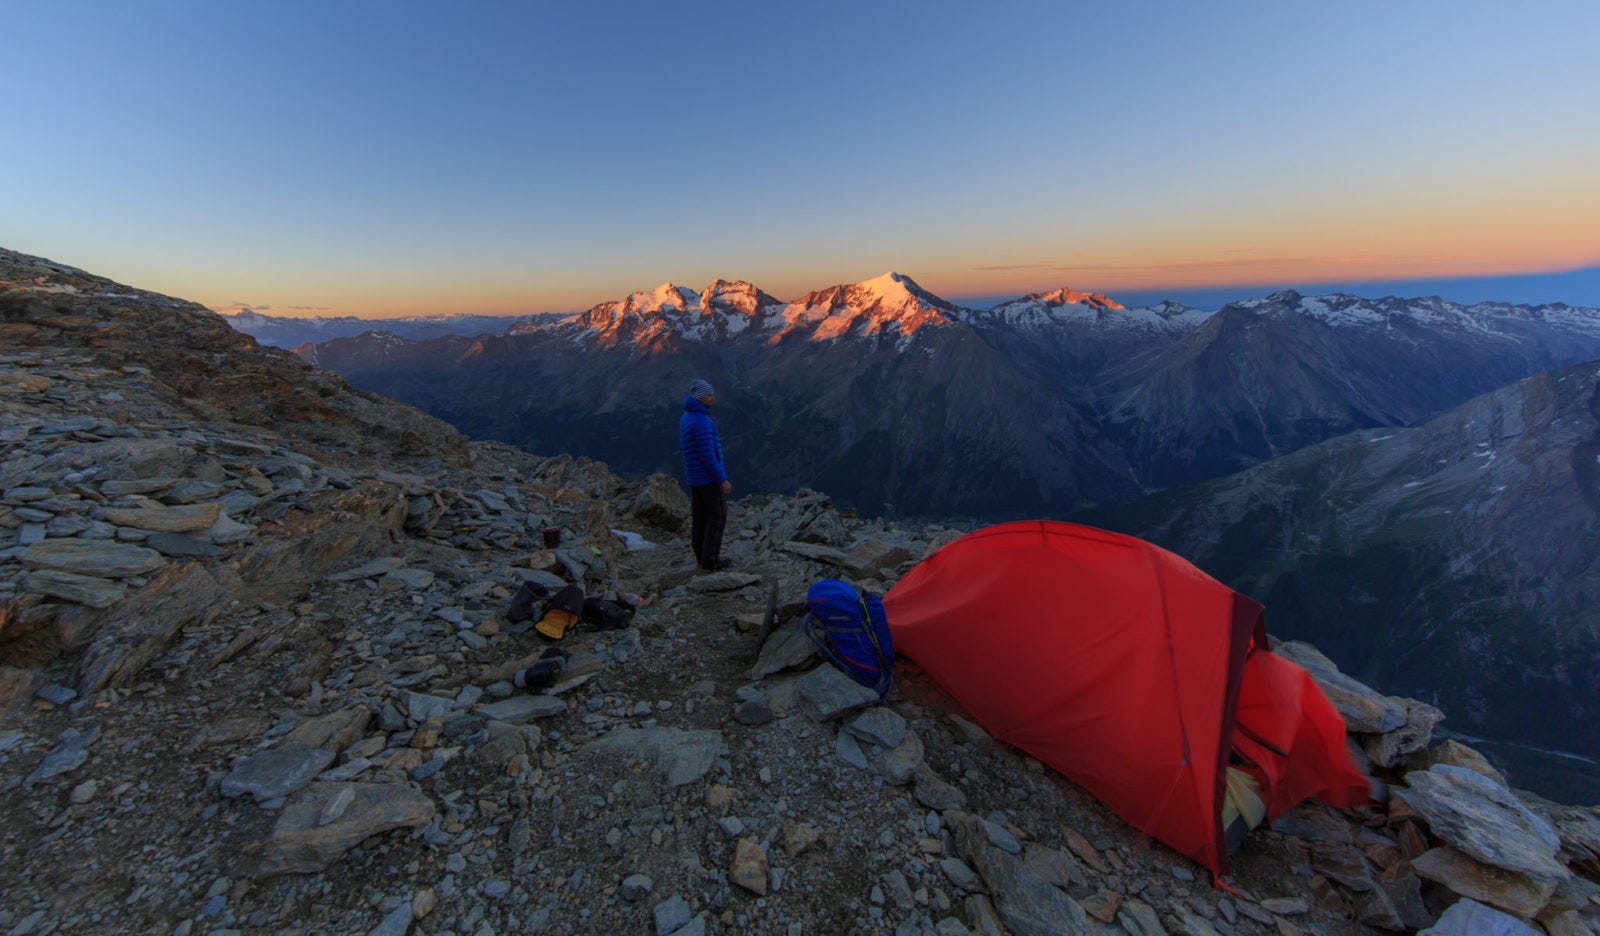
{"x":605,"y":614}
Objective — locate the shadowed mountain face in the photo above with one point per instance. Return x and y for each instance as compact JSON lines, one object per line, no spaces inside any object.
{"x":892,"y":397}
{"x":281,"y":331}
{"x":1459,"y":560}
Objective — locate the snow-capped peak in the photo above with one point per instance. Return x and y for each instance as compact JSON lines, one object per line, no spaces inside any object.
{"x":1060,"y":307}
{"x":892,"y":301}
{"x":663,"y":298}
{"x":1066,"y":296}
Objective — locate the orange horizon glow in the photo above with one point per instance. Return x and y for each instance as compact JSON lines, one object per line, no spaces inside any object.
{"x":1106,"y":277}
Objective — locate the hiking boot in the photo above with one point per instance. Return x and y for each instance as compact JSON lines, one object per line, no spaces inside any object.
{"x":718,"y":564}
{"x":544,"y":671}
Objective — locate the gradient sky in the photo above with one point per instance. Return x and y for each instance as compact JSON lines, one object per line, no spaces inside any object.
{"x":404,"y":158}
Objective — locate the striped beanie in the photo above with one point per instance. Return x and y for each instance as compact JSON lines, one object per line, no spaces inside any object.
{"x":700,"y":389}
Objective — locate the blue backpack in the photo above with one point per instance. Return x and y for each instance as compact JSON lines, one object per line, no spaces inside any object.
{"x":849,"y":629}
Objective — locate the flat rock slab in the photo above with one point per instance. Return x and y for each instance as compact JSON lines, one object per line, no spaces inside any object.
{"x":88,"y":590}
{"x":305,"y":838}
{"x":121,"y":487}
{"x":1484,"y":820}
{"x":1470,"y":918}
{"x":880,"y":726}
{"x":334,"y":731}
{"x":898,"y":764}
{"x":420,"y":706}
{"x":184,"y":519}
{"x":830,"y":693}
{"x":787,"y":646}
{"x":1386,"y":750}
{"x":92,"y":557}
{"x":521,"y":709}
{"x":371,"y":569}
{"x":681,"y":756}
{"x":722,"y":581}
{"x":818,"y":552}
{"x":1507,"y":890}
{"x":65,"y":757}
{"x":414,"y":579}
{"x":177,"y":545}
{"x":276,"y":772}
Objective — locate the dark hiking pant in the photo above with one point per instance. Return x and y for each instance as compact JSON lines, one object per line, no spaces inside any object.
{"x":710,"y":513}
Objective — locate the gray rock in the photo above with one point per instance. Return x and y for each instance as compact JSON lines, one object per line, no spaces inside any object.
{"x":722,"y":581}
{"x":932,"y":792}
{"x":505,"y":743}
{"x":57,"y":695}
{"x":548,"y":580}
{"x":753,"y":712}
{"x":276,"y":772}
{"x":820,"y":553}
{"x":171,"y":519}
{"x":409,"y":579}
{"x":421,"y":706}
{"x":786,"y":647}
{"x":31,"y":533}
{"x":628,"y":646}
{"x":830,"y":693}
{"x":90,"y":590}
{"x":92,"y":557}
{"x":121,"y":487}
{"x":1000,"y":837}
{"x":371,"y":569}
{"x":1386,"y":750}
{"x":178,"y":546}
{"x":960,"y":875}
{"x":396,"y":923}
{"x":1484,"y":820}
{"x":65,"y":757}
{"x":301,"y":842}
{"x":849,"y":750}
{"x":898,"y":765}
{"x":636,"y":887}
{"x":1138,"y":918}
{"x":880,"y":726}
{"x":521,"y":709}
{"x":1470,"y":918}
{"x":671,"y":915}
{"x":681,"y":756}
{"x":1286,"y":906}
{"x":874,"y":556}
{"x":1027,"y":893}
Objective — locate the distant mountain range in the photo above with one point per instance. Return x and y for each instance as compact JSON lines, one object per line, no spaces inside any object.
{"x":281,"y":331}
{"x":1457,"y":561}
{"x":890,"y":397}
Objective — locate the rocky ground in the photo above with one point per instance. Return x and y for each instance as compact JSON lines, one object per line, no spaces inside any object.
{"x":254,"y":670}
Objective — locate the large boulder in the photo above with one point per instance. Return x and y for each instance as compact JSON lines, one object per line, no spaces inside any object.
{"x":660,"y":502}
{"x":1485,"y":821}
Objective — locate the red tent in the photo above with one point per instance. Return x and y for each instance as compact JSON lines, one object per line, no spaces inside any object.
{"x":1126,"y":668}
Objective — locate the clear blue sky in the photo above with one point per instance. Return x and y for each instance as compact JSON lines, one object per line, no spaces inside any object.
{"x":380,"y":158}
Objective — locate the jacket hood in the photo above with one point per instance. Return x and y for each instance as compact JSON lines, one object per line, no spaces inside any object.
{"x":694,"y":406}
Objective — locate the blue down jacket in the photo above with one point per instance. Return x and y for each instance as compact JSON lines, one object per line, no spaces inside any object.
{"x":701,"y":446}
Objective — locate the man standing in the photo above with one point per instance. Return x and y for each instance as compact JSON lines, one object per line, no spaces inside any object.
{"x":709,"y":486}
